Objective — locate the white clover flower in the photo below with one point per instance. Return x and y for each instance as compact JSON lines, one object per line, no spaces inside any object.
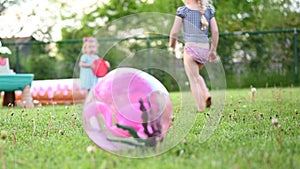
{"x":275,"y":122}
{"x":253,"y":90}
{"x":62,"y":132}
{"x":91,"y":149}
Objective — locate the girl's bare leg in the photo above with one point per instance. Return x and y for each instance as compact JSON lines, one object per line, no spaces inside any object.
{"x":197,"y":84}
{"x":204,"y":89}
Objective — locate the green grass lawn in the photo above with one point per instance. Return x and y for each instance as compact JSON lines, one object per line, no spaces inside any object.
{"x":244,"y":138}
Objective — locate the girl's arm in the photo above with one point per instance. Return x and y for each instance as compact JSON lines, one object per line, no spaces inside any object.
{"x":214,"y":37}
{"x":214,"y":34}
{"x":82,"y":64}
{"x":175,"y":31}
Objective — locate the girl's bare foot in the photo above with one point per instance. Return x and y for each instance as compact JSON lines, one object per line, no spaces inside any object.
{"x":208,"y":102}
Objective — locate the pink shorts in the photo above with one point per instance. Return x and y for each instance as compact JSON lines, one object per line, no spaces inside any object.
{"x":199,"y":54}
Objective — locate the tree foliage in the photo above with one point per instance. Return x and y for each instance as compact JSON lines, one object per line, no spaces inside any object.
{"x":4,"y":4}
{"x":251,"y":15}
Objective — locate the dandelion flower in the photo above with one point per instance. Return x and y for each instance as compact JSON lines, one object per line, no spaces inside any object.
{"x":252,"y":92}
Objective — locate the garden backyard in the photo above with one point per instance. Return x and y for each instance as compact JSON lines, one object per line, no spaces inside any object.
{"x":48,"y":125}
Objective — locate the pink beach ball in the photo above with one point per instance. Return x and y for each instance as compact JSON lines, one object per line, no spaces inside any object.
{"x":128,"y":108}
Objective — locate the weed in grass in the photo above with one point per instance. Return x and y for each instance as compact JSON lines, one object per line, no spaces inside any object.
{"x":91,"y":150}
{"x":61,"y":132}
{"x":73,"y":120}
{"x":49,"y":126}
{"x":38,"y":112}
{"x":252,"y":94}
{"x":3,"y":137}
{"x":14,"y":136}
{"x":280,"y":100}
{"x":277,"y":131}
{"x":21,"y":115}
{"x":34,"y":127}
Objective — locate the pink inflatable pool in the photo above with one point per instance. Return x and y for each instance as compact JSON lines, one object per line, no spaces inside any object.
{"x":60,"y":91}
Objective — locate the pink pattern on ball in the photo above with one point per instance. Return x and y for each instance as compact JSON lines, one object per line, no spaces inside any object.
{"x":127,"y":107}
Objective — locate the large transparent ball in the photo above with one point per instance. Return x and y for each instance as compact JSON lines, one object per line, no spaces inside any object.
{"x":127,"y":109}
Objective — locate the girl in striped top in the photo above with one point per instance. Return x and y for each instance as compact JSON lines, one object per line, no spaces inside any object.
{"x":196,"y":18}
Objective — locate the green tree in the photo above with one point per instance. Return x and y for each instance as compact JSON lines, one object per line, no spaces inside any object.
{"x":253,"y":15}
{"x":39,"y":62}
